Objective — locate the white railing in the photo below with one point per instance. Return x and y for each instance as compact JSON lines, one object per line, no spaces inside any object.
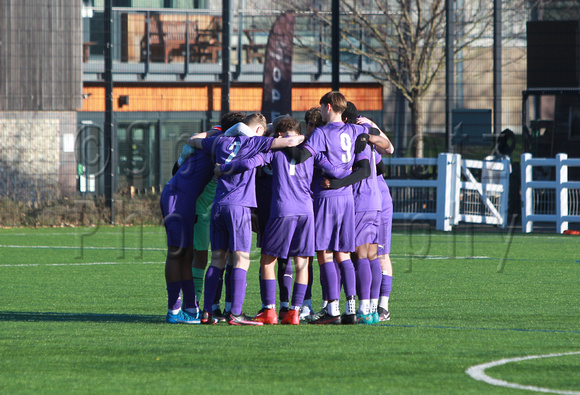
{"x":485,"y":202}
{"x":549,"y":200}
{"x":445,"y":198}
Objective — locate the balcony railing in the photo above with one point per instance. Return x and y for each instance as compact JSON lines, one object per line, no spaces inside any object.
{"x":173,"y":45}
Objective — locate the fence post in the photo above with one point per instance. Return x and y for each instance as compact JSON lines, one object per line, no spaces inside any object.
{"x":505,"y":183}
{"x":456,"y":183}
{"x":527,"y":202}
{"x":446,"y":191}
{"x":561,"y":193}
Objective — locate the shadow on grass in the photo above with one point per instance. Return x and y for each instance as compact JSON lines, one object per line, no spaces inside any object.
{"x":75,"y":317}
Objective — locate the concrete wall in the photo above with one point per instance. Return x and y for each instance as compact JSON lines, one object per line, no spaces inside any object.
{"x":37,"y":160}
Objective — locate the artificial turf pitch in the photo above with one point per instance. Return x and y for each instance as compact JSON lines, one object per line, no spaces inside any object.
{"x":83,"y":311}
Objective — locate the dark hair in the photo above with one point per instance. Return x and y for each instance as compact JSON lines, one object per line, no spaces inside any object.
{"x":287,"y":124}
{"x":277,"y":120}
{"x":350,"y":114}
{"x":229,"y":119}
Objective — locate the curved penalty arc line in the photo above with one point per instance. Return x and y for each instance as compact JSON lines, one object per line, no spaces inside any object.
{"x":478,"y":373}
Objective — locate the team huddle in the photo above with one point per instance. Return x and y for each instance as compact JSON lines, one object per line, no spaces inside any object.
{"x":321,"y":195}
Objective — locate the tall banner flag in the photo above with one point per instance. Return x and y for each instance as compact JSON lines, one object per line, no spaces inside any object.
{"x":277,"y":94}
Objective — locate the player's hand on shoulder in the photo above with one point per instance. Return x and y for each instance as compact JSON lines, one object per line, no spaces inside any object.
{"x":365,"y":120}
{"x":361,"y":143}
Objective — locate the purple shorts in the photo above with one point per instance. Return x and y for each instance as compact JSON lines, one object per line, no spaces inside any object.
{"x":178,"y":210}
{"x":231,"y":228}
{"x":366,"y":227}
{"x":334,"y":223}
{"x":289,"y":236}
{"x":385,"y":228}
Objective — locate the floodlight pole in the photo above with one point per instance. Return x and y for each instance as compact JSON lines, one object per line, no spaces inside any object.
{"x":335,"y":45}
{"x":449,"y":72}
{"x":109,"y":149}
{"x":226,"y":55}
{"x":497,"y":47}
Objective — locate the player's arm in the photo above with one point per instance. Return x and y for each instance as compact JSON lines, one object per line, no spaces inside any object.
{"x":384,"y":147}
{"x":363,"y":170}
{"x":195,"y":140}
{"x":381,"y":168}
{"x":286,"y":142}
{"x":237,"y":166}
{"x":322,"y":162}
{"x":297,"y":154}
{"x":383,"y":144}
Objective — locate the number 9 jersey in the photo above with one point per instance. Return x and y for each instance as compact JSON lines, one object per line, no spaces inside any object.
{"x":336,"y":142}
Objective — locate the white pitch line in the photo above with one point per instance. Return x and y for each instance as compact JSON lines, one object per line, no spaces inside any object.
{"x":450,"y":257}
{"x":80,"y":264}
{"x":419,"y":256}
{"x":75,"y":234}
{"x":83,"y":248}
{"x":478,"y":373}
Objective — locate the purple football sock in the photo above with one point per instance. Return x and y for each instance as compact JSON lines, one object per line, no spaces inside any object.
{"x":268,"y":292}
{"x":284,"y":279}
{"x":331,"y":280}
{"x":189,"y":297}
{"x":228,"y":283}
{"x":298,"y":293}
{"x":238,"y":283}
{"x":377,"y":278}
{"x":308,"y":294}
{"x":348,"y":277}
{"x":363,"y":279}
{"x":386,"y":285}
{"x":338,"y":276}
{"x":262,"y":287}
{"x":212,"y":277}
{"x":218,"y":291}
{"x":323,"y":284}
{"x":173,"y":300}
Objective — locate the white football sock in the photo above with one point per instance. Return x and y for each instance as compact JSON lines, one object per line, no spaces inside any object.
{"x":364,"y":306}
{"x":384,"y":302}
{"x":333,"y":308}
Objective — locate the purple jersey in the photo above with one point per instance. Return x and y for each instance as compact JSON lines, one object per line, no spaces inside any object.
{"x":193,"y":174}
{"x":336,"y":142}
{"x":367,"y":196}
{"x":387,"y":200}
{"x":236,"y":189}
{"x":290,"y":185}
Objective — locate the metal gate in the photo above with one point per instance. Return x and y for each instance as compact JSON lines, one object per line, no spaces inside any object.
{"x":458,"y":189}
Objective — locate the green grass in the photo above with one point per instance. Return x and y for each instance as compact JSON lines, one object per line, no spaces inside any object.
{"x":69,"y":323}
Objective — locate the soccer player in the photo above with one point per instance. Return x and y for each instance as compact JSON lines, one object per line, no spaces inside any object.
{"x":381,"y":290}
{"x":381,"y":267}
{"x":334,"y":208}
{"x":264,"y":200}
{"x":313,"y":120}
{"x":231,"y":227}
{"x":178,"y":208}
{"x":368,"y":204}
{"x":290,"y":228}
{"x":202,"y":216}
